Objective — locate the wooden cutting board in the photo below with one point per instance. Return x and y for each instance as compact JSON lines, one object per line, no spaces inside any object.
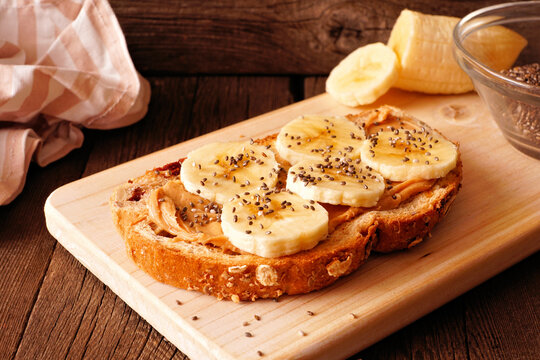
{"x":494,"y":223}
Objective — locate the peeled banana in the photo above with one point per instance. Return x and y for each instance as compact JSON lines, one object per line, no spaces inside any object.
{"x":423,"y":44}
{"x":496,"y":46}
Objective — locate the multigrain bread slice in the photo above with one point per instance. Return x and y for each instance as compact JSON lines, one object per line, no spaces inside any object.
{"x":219,"y":269}
{"x":227,"y":273}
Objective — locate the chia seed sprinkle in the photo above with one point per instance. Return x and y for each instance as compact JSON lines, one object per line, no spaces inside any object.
{"x":529,"y":74}
{"x":525,"y":116}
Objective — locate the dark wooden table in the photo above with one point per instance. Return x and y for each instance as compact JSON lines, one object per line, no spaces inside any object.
{"x":210,"y":66}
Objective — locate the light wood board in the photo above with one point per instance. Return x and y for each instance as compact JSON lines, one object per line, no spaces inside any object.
{"x":494,"y":223}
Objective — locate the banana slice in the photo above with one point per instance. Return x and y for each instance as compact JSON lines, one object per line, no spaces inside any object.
{"x":273,"y":223}
{"x":364,"y":75}
{"x":340,"y":182}
{"x":218,"y":171}
{"x":315,"y":137}
{"x":401,"y":154}
{"x":423,"y":44}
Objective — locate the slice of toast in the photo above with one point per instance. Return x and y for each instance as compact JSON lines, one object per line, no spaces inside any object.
{"x":221,"y":270}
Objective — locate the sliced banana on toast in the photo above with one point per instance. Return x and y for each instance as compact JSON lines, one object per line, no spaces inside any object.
{"x":364,"y":75}
{"x":273,"y":223}
{"x":219,"y":171}
{"x":342,"y":181}
{"x":315,"y":137}
{"x":334,"y":161}
{"x":408,"y":152}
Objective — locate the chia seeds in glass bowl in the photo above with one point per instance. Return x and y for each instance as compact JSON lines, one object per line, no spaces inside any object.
{"x":529,"y":73}
{"x":511,"y":96}
{"x":525,"y":116}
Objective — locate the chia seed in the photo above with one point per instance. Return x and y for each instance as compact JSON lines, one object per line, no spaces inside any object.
{"x":529,"y":74}
{"x":525,"y":116}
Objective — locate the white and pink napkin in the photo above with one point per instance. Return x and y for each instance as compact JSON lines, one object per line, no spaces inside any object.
{"x":64,"y":65}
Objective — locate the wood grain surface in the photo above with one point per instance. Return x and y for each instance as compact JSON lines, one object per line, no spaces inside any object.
{"x":262,"y":37}
{"x":498,"y":319}
{"x":479,"y":238}
{"x":51,"y":307}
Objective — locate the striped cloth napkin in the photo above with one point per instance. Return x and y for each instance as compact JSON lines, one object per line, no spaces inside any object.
{"x":63,"y":65}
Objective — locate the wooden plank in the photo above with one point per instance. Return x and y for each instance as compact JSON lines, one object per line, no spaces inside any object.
{"x":75,"y":315}
{"x":488,"y":229}
{"x":314,"y":85}
{"x":435,"y":336}
{"x":222,"y":101}
{"x":488,"y":322}
{"x":26,"y":247}
{"x":503,"y":317}
{"x":263,"y":37}
{"x":169,"y":114}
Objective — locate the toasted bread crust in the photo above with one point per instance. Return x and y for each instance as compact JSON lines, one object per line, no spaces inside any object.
{"x":407,"y":228}
{"x":241,"y":276}
{"x":248,"y":277}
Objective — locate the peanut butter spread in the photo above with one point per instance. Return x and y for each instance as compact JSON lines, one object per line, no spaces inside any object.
{"x":189,"y":217}
{"x":383,"y":119}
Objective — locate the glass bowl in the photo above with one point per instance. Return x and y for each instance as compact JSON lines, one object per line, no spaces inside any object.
{"x":514,"y":105}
